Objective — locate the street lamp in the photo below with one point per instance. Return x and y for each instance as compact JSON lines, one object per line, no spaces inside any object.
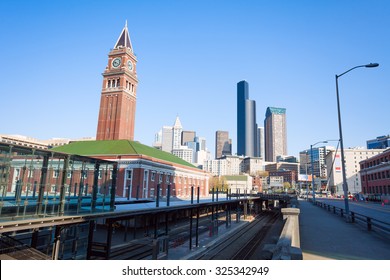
{"x":345,"y":184}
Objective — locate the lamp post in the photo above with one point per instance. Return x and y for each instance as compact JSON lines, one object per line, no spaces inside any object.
{"x":345,"y":184}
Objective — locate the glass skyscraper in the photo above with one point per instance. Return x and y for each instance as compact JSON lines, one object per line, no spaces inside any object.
{"x":246,"y":122}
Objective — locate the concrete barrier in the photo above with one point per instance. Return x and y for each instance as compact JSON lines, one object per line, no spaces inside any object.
{"x":288,"y":246}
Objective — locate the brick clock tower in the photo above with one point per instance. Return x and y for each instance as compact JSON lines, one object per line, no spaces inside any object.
{"x":118,"y":98}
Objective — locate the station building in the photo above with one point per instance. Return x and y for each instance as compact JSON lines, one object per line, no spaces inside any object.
{"x":141,"y":169}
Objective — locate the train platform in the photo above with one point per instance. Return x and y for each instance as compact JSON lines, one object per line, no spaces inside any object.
{"x":326,"y":236}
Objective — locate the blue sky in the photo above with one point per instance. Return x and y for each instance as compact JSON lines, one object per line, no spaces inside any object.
{"x":191,"y":54}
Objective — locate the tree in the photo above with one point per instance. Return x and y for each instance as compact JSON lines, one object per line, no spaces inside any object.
{"x":287,"y":185}
{"x":219,"y":183}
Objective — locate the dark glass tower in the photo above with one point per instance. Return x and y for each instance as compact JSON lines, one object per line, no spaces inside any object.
{"x":246,"y":122}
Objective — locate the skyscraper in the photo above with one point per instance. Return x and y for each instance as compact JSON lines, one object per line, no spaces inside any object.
{"x":260,"y":142}
{"x":275,"y":132}
{"x":223,"y":145}
{"x":118,"y":98}
{"x":187,"y":136}
{"x":246,"y":121}
{"x":177,"y":129}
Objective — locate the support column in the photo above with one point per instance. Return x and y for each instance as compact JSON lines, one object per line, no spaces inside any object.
{"x":62,"y":186}
{"x":113,"y":186}
{"x":158,"y":196}
{"x":168,"y":195}
{"x":197,"y":227}
{"x":42,"y":184}
{"x":95,"y":185}
{"x":109,"y":238}
{"x":57,"y":242}
{"x":90,"y":238}
{"x":190,"y":241}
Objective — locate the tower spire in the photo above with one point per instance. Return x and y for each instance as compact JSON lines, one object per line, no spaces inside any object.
{"x":124,"y":39}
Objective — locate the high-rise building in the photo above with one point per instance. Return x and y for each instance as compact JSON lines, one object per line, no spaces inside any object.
{"x":275,"y":132}
{"x":167,"y":140}
{"x":246,"y":121}
{"x":223,"y":145}
{"x":177,"y":129}
{"x":187,"y":136}
{"x":260,"y":142}
{"x":319,"y":168}
{"x":118,"y":98}
{"x":381,"y":142}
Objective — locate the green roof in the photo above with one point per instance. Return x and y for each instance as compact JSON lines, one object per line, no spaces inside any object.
{"x":236,"y":178}
{"x":118,"y":147}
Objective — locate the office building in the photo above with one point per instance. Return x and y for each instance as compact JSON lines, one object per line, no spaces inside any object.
{"x":246,"y":122}
{"x":381,"y":142}
{"x":223,"y":145}
{"x":353,"y":157}
{"x":260,"y":143}
{"x":275,"y":133}
{"x":187,"y":136}
{"x":319,"y":168}
{"x":167,"y":139}
{"x":177,"y":130}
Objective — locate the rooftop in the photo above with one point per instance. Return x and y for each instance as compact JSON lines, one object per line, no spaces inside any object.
{"x":118,"y":147}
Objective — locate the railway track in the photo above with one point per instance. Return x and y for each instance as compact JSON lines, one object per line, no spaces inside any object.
{"x":243,"y":243}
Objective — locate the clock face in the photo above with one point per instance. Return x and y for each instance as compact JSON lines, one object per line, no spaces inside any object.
{"x":130,"y":65}
{"x":116,"y":62}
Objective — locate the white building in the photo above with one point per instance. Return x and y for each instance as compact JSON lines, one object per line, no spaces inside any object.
{"x":177,"y":130}
{"x":227,"y":165}
{"x":184,"y":153}
{"x":252,"y":165}
{"x":352,"y":168}
{"x":167,"y":140}
{"x":239,"y":184}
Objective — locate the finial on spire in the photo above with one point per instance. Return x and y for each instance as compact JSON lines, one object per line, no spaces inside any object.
{"x":126,"y":24}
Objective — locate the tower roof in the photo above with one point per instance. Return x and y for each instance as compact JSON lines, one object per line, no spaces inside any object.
{"x":124,"y":39}
{"x":177,"y":123}
{"x":274,"y":110}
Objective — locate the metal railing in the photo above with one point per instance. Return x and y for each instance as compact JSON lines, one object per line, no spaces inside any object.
{"x":368,"y":222}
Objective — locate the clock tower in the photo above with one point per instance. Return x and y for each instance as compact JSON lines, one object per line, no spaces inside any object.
{"x":118,"y":98}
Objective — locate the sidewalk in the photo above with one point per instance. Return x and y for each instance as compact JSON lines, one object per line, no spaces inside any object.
{"x":326,"y":236}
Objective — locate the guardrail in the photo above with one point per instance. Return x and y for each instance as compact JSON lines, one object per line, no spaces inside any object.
{"x":369,"y":222}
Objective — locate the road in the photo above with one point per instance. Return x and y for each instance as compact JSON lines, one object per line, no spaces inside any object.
{"x":370,"y":209}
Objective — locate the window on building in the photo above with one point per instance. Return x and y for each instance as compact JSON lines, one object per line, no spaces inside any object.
{"x":128,"y":174}
{"x":152,"y":176}
{"x":167,"y":178}
{"x":145,"y":175}
{"x":160,"y":178}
